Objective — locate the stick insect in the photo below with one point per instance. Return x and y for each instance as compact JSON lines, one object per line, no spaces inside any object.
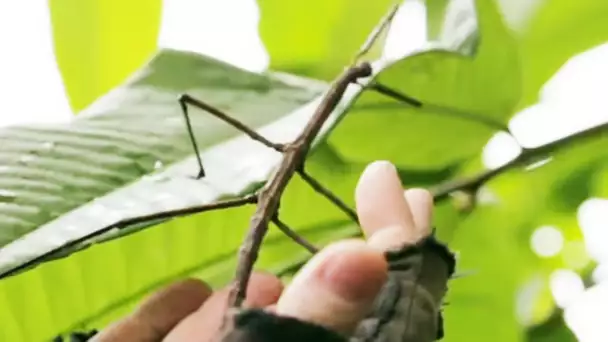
{"x":266,"y":199}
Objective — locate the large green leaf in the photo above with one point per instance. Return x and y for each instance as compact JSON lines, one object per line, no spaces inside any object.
{"x":98,"y":43}
{"x":128,"y":154}
{"x":317,"y":38}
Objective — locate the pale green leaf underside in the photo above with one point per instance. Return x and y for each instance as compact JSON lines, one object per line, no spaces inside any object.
{"x":133,"y":131}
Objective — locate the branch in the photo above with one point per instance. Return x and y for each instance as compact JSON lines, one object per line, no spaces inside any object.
{"x":471,"y":184}
{"x":329,"y":195}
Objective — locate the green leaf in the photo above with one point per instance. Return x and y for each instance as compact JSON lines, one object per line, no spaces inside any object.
{"x":465,"y":99}
{"x":317,"y":38}
{"x":98,"y":43}
{"x":126,"y":155}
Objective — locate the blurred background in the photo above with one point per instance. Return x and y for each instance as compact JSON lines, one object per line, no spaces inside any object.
{"x":59,"y":56}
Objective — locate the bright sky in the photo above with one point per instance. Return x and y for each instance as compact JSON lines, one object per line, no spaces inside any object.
{"x":32,"y":92}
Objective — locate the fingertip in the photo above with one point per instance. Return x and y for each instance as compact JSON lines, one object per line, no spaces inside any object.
{"x":355,"y":274}
{"x":369,"y":177}
{"x":337,"y":287}
{"x":421,"y":205}
{"x":165,"y":308}
{"x":264,"y":288}
{"x":128,"y":329}
{"x":380,"y":200}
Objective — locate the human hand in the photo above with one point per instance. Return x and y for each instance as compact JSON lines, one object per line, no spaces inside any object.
{"x":335,"y":289}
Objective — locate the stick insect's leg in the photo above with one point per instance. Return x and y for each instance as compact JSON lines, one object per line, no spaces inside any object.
{"x":294,"y":236}
{"x":438,"y":109}
{"x":318,"y":187}
{"x":187,"y":99}
{"x":201,"y":170}
{"x":229,"y":203}
{"x":394,"y":94}
{"x":224,"y":204}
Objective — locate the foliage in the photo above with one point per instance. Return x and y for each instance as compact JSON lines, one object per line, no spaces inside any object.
{"x":88,"y":174}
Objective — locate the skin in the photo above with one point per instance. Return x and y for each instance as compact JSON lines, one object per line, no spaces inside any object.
{"x":336,"y":288}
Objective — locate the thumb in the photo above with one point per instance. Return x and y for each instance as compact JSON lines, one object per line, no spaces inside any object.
{"x":337,"y":287}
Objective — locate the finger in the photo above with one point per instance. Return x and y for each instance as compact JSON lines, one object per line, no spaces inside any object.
{"x":383,"y":210}
{"x":129,"y":328}
{"x":337,"y":287}
{"x":158,"y":313}
{"x":263,"y":289}
{"x":421,"y":206}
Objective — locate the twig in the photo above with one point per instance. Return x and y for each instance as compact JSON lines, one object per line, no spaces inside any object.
{"x":329,"y":195}
{"x":294,"y":236}
{"x":471,"y":184}
{"x":231,"y":203}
